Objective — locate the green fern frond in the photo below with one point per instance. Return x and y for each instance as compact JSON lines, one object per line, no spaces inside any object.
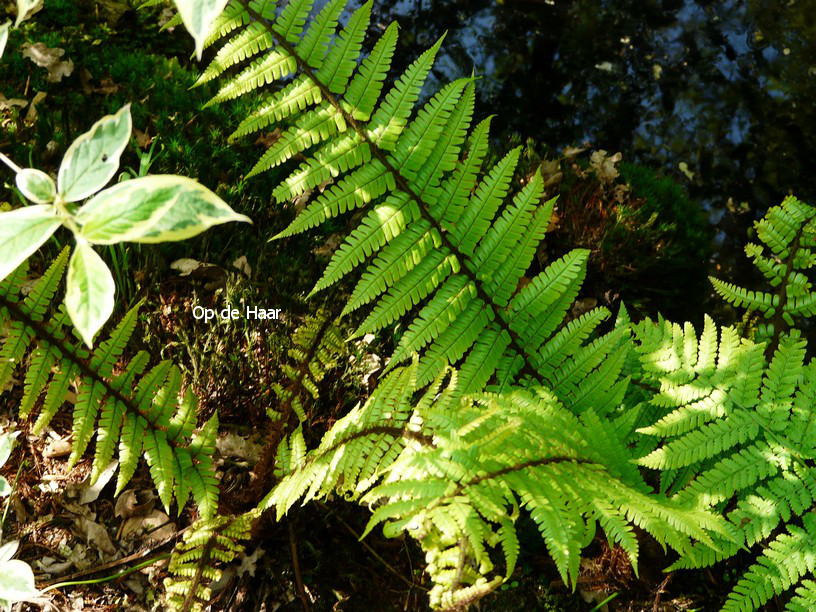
{"x":194,"y":564}
{"x":786,"y":559}
{"x":128,"y":409}
{"x":316,"y":348}
{"x":435,"y":237}
{"x":787,"y":234}
{"x":456,"y":475}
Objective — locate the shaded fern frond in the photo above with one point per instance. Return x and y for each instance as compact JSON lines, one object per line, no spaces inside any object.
{"x":130,"y":410}
{"x":194,"y":564}
{"x":316,"y":348}
{"x":786,"y":255}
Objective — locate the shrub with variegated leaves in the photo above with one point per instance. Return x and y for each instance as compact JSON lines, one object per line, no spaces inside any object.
{"x":149,"y":209}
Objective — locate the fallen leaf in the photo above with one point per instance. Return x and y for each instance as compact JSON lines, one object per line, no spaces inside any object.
{"x":90,"y":492}
{"x":267,"y":139}
{"x":49,"y":58}
{"x":7,"y":103}
{"x":583,"y":306}
{"x":571,"y":152}
{"x":157,"y":525}
{"x":95,"y":534}
{"x":242,"y":265}
{"x":605,"y":165}
{"x":143,"y":139}
{"x":51,"y":566}
{"x":58,"y":448}
{"x":106,"y":85}
{"x":31,"y":115}
{"x":131,"y":503}
{"x":328,"y":247}
{"x":233,"y":445}
{"x":249,"y":563}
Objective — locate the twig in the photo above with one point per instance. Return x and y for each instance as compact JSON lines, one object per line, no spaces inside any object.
{"x":130,"y":570}
{"x":296,"y":565}
{"x":373,"y":552}
{"x":118,"y":562}
{"x":660,"y":590}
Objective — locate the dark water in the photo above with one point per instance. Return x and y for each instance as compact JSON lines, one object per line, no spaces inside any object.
{"x":728,"y":89}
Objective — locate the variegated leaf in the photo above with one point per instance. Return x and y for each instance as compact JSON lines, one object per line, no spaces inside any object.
{"x":25,"y":9}
{"x":36,"y":186}
{"x":93,"y":158}
{"x":22,"y":232}
{"x":159,"y":208}
{"x":4,"y":32}
{"x":197,"y":16}
{"x":89,"y":292}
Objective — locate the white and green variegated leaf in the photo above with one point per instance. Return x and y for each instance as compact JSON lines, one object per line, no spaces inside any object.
{"x":25,"y":9}
{"x":17,"y":581}
{"x":5,"y":487}
{"x":8,"y":550}
{"x":198,"y":16}
{"x":6,"y":444}
{"x":93,"y":158}
{"x":22,"y":232}
{"x":151,"y":209}
{"x":89,"y":292}
{"x":36,"y":186}
{"x":4,"y":32}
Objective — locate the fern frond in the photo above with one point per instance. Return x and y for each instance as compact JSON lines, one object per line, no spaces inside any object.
{"x":787,"y":231}
{"x":739,"y":426}
{"x":456,"y":475}
{"x":433,"y":234}
{"x":316,"y":348}
{"x":194,"y":564}
{"x":788,"y":558}
{"x":126,"y":409}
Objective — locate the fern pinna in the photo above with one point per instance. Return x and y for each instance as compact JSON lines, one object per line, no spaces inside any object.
{"x":737,"y":428}
{"x":316,"y":348}
{"x":135,"y":411}
{"x":193,"y":565}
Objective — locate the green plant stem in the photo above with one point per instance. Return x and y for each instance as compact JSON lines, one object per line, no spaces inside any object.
{"x":109,"y":578}
{"x":604,"y":602}
{"x":8,"y":501}
{"x":10,"y":163}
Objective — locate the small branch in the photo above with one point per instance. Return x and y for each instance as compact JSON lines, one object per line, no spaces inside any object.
{"x":373,"y":552}
{"x":117,"y":562}
{"x":304,"y":598}
{"x":130,"y":570}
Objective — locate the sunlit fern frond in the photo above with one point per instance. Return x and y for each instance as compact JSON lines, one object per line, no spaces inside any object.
{"x":131,"y":409}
